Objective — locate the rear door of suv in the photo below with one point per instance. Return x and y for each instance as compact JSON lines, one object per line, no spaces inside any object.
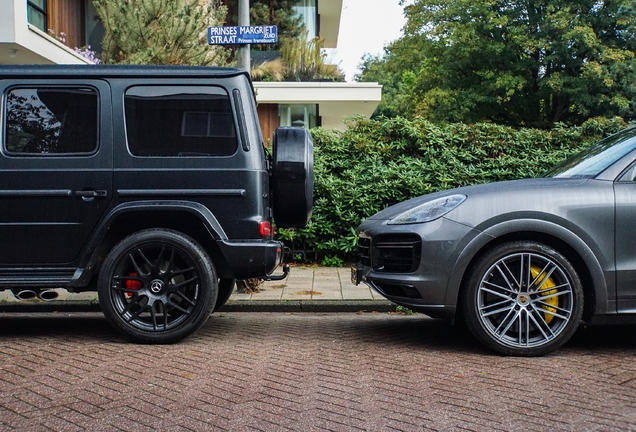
{"x":55,"y":168}
{"x":183,"y":145}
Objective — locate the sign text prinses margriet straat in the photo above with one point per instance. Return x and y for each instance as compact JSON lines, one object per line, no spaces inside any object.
{"x":236,"y":35}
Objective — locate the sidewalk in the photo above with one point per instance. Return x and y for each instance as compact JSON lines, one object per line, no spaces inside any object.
{"x":306,"y":289}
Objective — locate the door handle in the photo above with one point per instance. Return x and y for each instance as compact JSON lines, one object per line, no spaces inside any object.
{"x":91,"y":193}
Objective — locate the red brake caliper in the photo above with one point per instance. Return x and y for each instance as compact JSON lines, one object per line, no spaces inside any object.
{"x":132,"y":284}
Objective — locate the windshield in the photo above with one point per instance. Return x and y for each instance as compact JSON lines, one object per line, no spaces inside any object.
{"x":596,"y":158}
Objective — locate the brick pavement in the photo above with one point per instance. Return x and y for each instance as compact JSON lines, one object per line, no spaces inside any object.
{"x":307,"y":372}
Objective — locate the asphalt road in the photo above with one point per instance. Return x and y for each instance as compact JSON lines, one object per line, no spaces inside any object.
{"x":304,"y":372}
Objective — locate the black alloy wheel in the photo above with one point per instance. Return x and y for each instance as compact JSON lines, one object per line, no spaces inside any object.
{"x":157,"y":286}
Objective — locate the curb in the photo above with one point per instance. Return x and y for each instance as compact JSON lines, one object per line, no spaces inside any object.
{"x":308,"y":306}
{"x":51,"y":306}
{"x":230,"y":306}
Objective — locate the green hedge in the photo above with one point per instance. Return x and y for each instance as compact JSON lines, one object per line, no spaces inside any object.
{"x":376,"y":163}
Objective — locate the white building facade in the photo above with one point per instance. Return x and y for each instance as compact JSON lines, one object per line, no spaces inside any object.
{"x":47,"y":31}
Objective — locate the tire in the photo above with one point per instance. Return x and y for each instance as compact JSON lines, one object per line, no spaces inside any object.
{"x":292,"y":177}
{"x":226,"y":287}
{"x":157,"y":286}
{"x":523,"y":298}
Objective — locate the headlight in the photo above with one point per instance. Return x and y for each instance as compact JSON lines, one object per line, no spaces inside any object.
{"x":428,"y":211}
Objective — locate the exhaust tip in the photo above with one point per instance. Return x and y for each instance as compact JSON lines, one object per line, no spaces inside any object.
{"x":25,"y":295}
{"x":47,"y":295}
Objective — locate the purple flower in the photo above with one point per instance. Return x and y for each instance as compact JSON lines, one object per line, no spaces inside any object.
{"x":87,"y":53}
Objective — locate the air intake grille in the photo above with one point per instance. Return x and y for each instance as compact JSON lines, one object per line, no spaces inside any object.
{"x":391,"y":254}
{"x":364,"y":251}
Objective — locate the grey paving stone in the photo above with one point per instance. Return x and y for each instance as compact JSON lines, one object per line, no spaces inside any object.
{"x":305,"y":284}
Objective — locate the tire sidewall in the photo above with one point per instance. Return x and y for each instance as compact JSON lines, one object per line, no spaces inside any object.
{"x":207,"y":294}
{"x":225,"y":289}
{"x":478,"y":271}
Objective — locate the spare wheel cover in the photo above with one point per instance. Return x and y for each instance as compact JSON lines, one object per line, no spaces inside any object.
{"x":293,"y":177}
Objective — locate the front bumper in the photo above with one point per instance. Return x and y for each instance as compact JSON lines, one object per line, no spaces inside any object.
{"x":411,"y":264}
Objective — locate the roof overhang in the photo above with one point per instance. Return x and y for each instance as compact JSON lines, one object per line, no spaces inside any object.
{"x":337,"y":100}
{"x":330,"y":12}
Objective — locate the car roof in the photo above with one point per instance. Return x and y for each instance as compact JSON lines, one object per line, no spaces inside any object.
{"x":118,"y":71}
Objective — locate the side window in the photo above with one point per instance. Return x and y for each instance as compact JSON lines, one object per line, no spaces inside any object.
{"x":179,"y":121}
{"x":51,"y":121}
{"x":629,"y":175}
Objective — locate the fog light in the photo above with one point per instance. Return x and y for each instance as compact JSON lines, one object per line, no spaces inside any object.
{"x":410,"y":291}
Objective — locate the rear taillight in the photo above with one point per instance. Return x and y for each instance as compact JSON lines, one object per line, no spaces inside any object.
{"x":265,"y":229}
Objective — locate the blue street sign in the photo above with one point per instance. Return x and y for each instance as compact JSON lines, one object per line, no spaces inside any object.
{"x":240,"y":35}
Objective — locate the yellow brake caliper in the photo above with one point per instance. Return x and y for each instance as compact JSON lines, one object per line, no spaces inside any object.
{"x":544,"y":284}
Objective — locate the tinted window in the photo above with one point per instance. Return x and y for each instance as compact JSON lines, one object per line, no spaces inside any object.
{"x":51,"y":121}
{"x":179,"y":121}
{"x":596,"y":158}
{"x":629,"y":175}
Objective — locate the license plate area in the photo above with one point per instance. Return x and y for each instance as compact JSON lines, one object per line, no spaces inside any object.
{"x":356,"y":274}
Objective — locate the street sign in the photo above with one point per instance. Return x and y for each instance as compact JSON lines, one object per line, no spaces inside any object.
{"x":240,"y":35}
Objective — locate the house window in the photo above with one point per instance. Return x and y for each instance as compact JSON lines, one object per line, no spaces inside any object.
{"x":307,"y":10}
{"x":207,"y":124}
{"x":297,"y":115}
{"x":36,"y":13}
{"x":94,"y":29}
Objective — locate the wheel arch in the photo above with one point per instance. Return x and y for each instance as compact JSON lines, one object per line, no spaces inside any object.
{"x":579,"y":254}
{"x":191,"y":219}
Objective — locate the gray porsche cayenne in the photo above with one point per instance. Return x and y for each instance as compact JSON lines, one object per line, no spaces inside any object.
{"x":521,"y":262}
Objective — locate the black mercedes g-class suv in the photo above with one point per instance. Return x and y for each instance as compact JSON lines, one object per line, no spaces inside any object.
{"x":150,"y":185}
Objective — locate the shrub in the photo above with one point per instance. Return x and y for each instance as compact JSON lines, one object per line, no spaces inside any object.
{"x":376,"y":163}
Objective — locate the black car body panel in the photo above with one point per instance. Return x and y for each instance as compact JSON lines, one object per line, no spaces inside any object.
{"x":60,"y":213}
{"x":150,"y":185}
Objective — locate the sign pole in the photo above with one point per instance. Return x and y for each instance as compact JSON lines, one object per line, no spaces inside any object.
{"x":244,"y":20}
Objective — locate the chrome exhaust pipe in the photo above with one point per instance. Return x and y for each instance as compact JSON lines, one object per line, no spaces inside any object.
{"x":47,"y":294}
{"x":25,"y":294}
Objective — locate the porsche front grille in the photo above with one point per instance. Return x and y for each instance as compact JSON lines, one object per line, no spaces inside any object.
{"x":391,"y":254}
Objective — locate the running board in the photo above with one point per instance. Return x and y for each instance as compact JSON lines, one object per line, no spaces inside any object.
{"x":41,"y":277}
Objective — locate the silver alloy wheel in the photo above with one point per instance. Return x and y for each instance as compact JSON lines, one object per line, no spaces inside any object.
{"x":525,"y":300}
